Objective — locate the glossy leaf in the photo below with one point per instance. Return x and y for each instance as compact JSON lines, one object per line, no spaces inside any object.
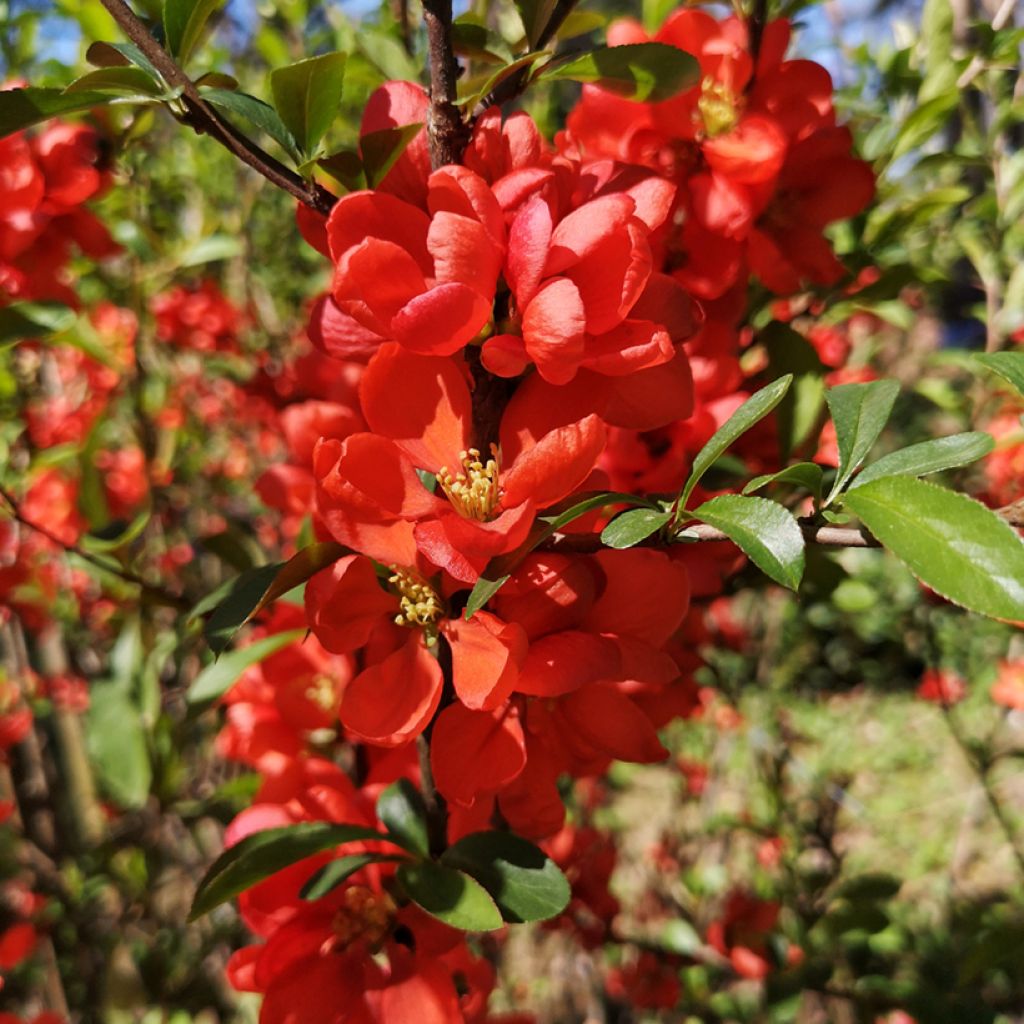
{"x":184,"y":21}
{"x":859,"y":412}
{"x":331,"y":875}
{"x":216,"y":679}
{"x":262,"y":854}
{"x":763,"y":530}
{"x":300,"y":567}
{"x":952,"y":543}
{"x":380,"y":150}
{"x":633,"y":526}
{"x":648,"y":72}
{"x":929,"y":457}
{"x":112,"y":55}
{"x":400,"y":808}
{"x":258,"y":113}
{"x":752,"y":411}
{"x":307,"y":95}
{"x":522,"y":880}
{"x":535,"y":15}
{"x":451,"y":896}
{"x":1009,"y":366}
{"x":22,"y":108}
{"x":34,"y":320}
{"x":130,"y":80}
{"x":804,"y":474}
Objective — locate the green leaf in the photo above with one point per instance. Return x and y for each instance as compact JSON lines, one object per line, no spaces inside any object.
{"x":22,"y":108}
{"x":928,"y":457}
{"x":535,"y":15}
{"x":803,"y":474}
{"x":184,"y":21}
{"x":1009,"y":365}
{"x":471,"y":38}
{"x":400,"y":808}
{"x":258,"y":113}
{"x":331,"y":875}
{"x":924,"y":122}
{"x":798,"y":415}
{"x":130,"y":80}
{"x":859,"y":412}
{"x":952,"y":543}
{"x":380,"y":150}
{"x":117,"y":744}
{"x":500,"y":569}
{"x":34,"y":320}
{"x":648,"y":72}
{"x":752,"y":411}
{"x":307,"y":95}
{"x":471,"y":94}
{"x":763,"y":530}
{"x":262,"y":854}
{"x":449,"y":895}
{"x":113,"y":55}
{"x":219,"y":677}
{"x":633,"y":526}
{"x":522,"y":880}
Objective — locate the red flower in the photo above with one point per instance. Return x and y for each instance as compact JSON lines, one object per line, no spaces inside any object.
{"x":1008,"y":689}
{"x":941,"y":686}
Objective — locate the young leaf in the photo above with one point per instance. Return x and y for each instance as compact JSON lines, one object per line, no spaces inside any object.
{"x":633,"y":526}
{"x":307,"y":95}
{"x":763,"y":530}
{"x":1009,"y":365}
{"x":331,"y":875}
{"x":752,"y":411}
{"x":952,"y":543}
{"x":928,"y":457}
{"x":400,"y":807}
{"x":22,"y":108}
{"x":219,"y":677}
{"x":522,"y":880}
{"x":648,"y":72}
{"x":184,"y":21}
{"x":450,"y":896}
{"x":803,"y":474}
{"x":261,"y":854}
{"x":859,"y":412}
{"x":258,"y":113}
{"x":380,"y":150}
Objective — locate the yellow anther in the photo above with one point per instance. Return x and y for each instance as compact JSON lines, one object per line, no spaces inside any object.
{"x":718,"y":106}
{"x":419,"y":605}
{"x":364,"y":916}
{"x":475,"y":493}
{"x":323,"y":693}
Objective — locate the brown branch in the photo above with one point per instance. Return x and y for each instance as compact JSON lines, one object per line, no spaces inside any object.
{"x":200,"y":116}
{"x":155,"y":593}
{"x":755,"y":30}
{"x":446,"y":131}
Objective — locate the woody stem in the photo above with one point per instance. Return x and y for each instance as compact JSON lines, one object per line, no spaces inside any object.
{"x":446,"y":131}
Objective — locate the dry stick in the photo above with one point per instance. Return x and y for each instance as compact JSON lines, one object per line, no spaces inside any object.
{"x":200,"y":116}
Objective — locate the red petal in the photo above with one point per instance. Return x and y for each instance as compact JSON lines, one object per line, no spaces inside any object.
{"x":362,"y":215}
{"x":374,"y":280}
{"x":504,"y":355}
{"x":632,"y":346}
{"x":337,"y":334}
{"x":603,"y":718}
{"x":652,"y":398}
{"x":528,"y":242}
{"x":553,"y":330}
{"x":585,"y":229}
{"x":486,"y":657}
{"x":464,"y":252}
{"x":563,"y":662}
{"x":442,"y":320}
{"x":345,"y":602}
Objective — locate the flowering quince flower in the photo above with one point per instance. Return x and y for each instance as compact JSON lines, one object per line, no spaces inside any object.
{"x":941,"y":686}
{"x":741,"y":934}
{"x":423,"y":278}
{"x":1008,"y":689}
{"x":369,"y":494}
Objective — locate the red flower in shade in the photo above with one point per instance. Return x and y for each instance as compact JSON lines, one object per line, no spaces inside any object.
{"x":370,"y":496}
{"x":423,"y":279}
{"x":1008,"y":689}
{"x":941,"y":686}
{"x":742,"y":932}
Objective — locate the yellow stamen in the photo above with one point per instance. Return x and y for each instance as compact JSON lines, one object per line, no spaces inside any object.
{"x":419,"y":605}
{"x":323,"y":693}
{"x":365,"y":916}
{"x":475,"y":493}
{"x":718,"y":107}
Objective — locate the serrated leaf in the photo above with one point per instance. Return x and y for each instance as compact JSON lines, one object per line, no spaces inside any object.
{"x":763,"y":530}
{"x":331,"y":875}
{"x":262,"y":854}
{"x":381,"y":150}
{"x":522,"y":880}
{"x":218,"y":678}
{"x":1009,"y":366}
{"x":307,"y":96}
{"x":633,"y":526}
{"x":859,"y":412}
{"x":22,"y":108}
{"x":401,"y":810}
{"x":646,"y":72}
{"x":928,"y":457}
{"x":500,"y":569}
{"x":184,"y":21}
{"x":752,"y":411}
{"x":952,"y":543}
{"x":803,"y":474}
{"x":450,"y":895}
{"x":23,"y":320}
{"x":258,"y":113}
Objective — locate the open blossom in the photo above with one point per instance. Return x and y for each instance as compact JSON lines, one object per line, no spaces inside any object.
{"x":1008,"y":689}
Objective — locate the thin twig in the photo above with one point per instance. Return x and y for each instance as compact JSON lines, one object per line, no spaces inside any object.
{"x":446,"y":131}
{"x":755,"y":31}
{"x":200,"y":115}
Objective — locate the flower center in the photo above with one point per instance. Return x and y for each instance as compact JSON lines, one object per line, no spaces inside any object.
{"x":718,"y":107}
{"x":365,"y":916}
{"x":418,"y":604}
{"x":475,"y":493}
{"x":321,"y":691}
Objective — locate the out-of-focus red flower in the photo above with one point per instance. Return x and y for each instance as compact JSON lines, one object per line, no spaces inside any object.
{"x":1008,"y":689}
{"x":941,"y":686}
{"x":742,"y":932}
{"x":201,"y":319}
{"x":648,"y":983}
